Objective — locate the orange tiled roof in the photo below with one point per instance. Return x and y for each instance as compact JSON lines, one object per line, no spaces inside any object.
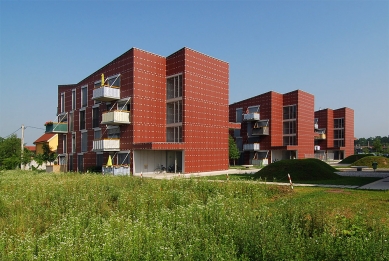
{"x":45,"y":137}
{"x":31,"y":148}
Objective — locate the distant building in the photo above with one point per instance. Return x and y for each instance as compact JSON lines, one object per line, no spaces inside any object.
{"x":278,"y":126}
{"x":146,"y":110}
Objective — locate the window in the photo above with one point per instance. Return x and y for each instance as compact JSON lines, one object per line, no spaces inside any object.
{"x":70,"y":162}
{"x":113,"y":81}
{"x":290,"y":112}
{"x":71,"y":121}
{"x":239,"y":115}
{"x":124,"y":159}
{"x":174,"y":87}
{"x":124,"y":105}
{"x":80,"y":162}
{"x":84,"y":96}
{"x":73,"y":143}
{"x":99,"y":159}
{"x":82,"y":120}
{"x":64,"y":143}
{"x":61,"y":160}
{"x":73,"y":99}
{"x":289,"y":127}
{"x":338,"y":143}
{"x":339,"y":134}
{"x":95,"y":117}
{"x":174,"y":134}
{"x":63,"y":118}
{"x":174,"y":112}
{"x":62,"y":109}
{"x":84,"y":141}
{"x":253,"y":109}
{"x":97,"y":134}
{"x":339,"y":123}
{"x":113,"y":133}
{"x":289,"y":140}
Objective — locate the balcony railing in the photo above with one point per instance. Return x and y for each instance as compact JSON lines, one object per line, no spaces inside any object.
{"x":106,"y":145}
{"x":57,"y":127}
{"x":251,"y":147}
{"x":320,"y":136}
{"x":106,"y":93}
{"x":116,"y":118}
{"x":251,"y":116}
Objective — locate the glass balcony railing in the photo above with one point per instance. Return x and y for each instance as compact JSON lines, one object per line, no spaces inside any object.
{"x":251,"y":116}
{"x":251,"y":147}
{"x":57,"y":127}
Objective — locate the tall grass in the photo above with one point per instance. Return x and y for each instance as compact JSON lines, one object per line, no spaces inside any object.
{"x":92,"y":217}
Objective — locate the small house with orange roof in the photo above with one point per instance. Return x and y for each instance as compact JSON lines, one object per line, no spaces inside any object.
{"x":48,"y":138}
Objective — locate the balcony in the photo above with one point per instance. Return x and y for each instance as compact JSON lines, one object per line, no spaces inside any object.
{"x":260,"y":131}
{"x":106,"y":93}
{"x":106,"y":145}
{"x":320,"y":136}
{"x":251,"y":147}
{"x":57,"y":127}
{"x":116,"y":118}
{"x":251,"y":116}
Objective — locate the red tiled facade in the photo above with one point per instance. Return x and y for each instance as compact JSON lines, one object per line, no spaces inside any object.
{"x":175,"y":108}
{"x":284,"y":128}
{"x":339,"y":126}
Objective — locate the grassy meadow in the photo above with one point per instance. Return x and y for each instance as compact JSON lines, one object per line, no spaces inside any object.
{"x":94,"y":217}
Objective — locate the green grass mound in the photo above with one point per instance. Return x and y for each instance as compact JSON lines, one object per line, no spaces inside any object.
{"x":301,"y":169}
{"x":353,"y":158}
{"x":367,"y":161}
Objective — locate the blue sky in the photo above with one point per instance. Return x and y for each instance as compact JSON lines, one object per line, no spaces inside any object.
{"x":336,"y":50}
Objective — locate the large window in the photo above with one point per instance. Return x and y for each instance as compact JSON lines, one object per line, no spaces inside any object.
{"x":95,"y":117}
{"x":82,"y":120}
{"x":84,"y":96}
{"x":174,"y":86}
{"x":339,"y":123}
{"x":174,"y":112}
{"x":289,"y":127}
{"x":84,"y":141}
{"x":174,"y":134}
{"x":289,"y":140}
{"x":97,"y":134}
{"x":290,"y":112}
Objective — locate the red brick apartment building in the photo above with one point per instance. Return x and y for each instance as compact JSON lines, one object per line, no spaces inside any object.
{"x":146,"y":110}
{"x":278,"y":126}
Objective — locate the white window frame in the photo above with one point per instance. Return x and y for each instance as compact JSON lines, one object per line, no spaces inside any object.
{"x":85,"y":87}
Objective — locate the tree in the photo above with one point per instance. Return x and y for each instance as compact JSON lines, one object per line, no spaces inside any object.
{"x":233,"y":149}
{"x":377,"y":144}
{"x":48,"y":155}
{"x":10,"y":157}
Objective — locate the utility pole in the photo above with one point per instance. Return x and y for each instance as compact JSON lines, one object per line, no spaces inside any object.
{"x":22,"y":147}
